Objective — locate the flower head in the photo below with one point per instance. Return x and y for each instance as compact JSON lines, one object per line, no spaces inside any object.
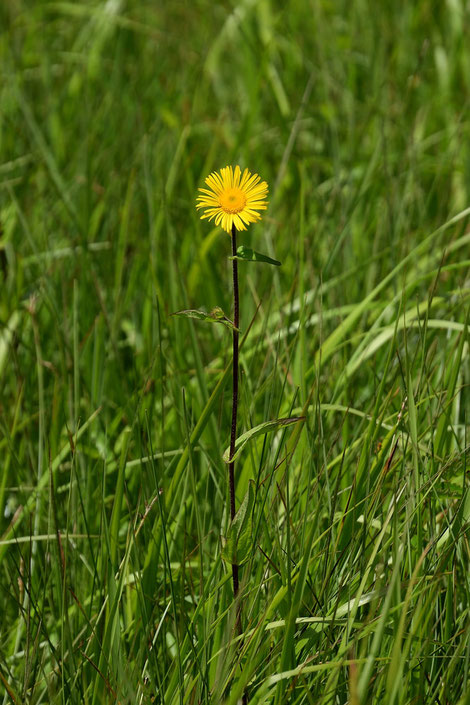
{"x":234,"y":198}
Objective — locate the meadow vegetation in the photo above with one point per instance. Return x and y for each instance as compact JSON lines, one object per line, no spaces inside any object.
{"x":114,"y":415}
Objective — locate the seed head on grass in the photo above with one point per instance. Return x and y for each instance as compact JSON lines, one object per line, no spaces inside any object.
{"x":234,"y":199}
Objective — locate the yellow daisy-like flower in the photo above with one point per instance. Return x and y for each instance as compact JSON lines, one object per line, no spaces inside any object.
{"x":234,"y":198}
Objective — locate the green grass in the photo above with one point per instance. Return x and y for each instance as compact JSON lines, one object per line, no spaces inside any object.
{"x":114,"y":416}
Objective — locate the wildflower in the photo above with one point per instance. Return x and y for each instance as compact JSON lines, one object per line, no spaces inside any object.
{"x":234,"y":199}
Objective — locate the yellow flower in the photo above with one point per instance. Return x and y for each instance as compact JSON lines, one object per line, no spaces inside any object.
{"x":233,"y":199}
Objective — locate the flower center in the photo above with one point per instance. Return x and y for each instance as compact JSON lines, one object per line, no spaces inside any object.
{"x":232,"y":200}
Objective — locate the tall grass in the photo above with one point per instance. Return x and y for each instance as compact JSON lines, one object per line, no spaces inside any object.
{"x":114,"y":416}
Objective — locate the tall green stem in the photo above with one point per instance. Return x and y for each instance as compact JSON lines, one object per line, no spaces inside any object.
{"x":233,"y":432}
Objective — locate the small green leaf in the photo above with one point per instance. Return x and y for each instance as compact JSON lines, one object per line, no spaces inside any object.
{"x":218,"y":315}
{"x":215,"y":316}
{"x":237,"y":546}
{"x":249,"y":255}
{"x":263,"y":428}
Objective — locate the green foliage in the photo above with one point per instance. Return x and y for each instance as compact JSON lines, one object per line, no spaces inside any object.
{"x":248,"y":255}
{"x":215,"y":316}
{"x":238,"y":542}
{"x":260,"y":430}
{"x":114,"y":415}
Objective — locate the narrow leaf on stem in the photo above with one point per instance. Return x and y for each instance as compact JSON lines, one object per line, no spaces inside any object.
{"x":249,"y":255}
{"x":263,"y":428}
